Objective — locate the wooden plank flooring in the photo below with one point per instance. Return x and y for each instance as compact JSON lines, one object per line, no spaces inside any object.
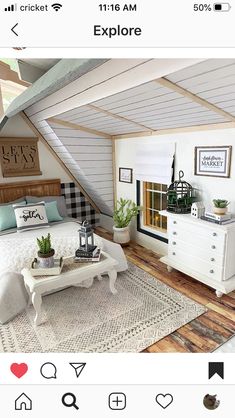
{"x":205,"y":333}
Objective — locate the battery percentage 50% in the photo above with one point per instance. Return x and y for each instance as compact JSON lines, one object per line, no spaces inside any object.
{"x":198,"y":7}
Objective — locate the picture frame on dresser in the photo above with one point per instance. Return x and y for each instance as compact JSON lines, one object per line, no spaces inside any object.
{"x":213,"y":161}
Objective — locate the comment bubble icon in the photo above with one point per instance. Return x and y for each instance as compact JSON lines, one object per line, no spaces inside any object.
{"x":48,"y":371}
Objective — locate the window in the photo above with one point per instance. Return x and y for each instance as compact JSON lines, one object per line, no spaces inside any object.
{"x":154,"y":200}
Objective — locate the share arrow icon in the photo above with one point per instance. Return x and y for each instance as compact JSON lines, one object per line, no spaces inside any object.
{"x":78,"y":367}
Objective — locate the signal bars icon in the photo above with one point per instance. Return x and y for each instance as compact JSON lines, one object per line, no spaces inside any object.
{"x":11,"y":8}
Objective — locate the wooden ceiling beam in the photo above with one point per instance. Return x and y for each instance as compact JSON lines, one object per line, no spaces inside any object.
{"x":71,"y":125}
{"x":191,"y":96}
{"x":7,"y":74}
{"x":121,"y":118}
{"x":168,"y":131}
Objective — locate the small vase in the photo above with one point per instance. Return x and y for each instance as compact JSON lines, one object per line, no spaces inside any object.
{"x":46,"y":261}
{"x":220,"y":211}
{"x":121,"y":235}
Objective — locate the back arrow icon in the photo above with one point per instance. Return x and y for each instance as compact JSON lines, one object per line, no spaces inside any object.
{"x":12,"y":29}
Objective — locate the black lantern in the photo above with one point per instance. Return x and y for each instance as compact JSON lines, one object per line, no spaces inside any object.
{"x":86,"y":237}
{"x":180,"y":196}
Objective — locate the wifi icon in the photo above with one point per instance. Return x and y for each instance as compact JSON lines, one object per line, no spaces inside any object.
{"x":56,"y":6}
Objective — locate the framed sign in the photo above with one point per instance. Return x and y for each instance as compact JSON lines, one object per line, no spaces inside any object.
{"x":125,"y":175}
{"x":213,"y":161}
{"x":19,"y":157}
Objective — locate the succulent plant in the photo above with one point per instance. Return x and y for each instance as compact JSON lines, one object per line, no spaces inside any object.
{"x":44,"y":244}
{"x":220,"y":203}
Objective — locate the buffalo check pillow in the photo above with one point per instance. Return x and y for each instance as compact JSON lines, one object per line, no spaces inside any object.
{"x":31,"y":216}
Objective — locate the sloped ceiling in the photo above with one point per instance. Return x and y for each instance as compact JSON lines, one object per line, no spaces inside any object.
{"x":89,"y":159}
{"x":202,"y":94}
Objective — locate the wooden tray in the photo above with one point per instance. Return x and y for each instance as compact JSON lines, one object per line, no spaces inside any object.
{"x":52,"y":271}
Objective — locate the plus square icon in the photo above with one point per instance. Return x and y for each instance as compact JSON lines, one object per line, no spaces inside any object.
{"x":117,"y":401}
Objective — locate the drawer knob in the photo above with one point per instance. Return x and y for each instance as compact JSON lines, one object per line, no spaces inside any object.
{"x":173,"y":243}
{"x":211,"y":271}
{"x":213,"y":247}
{"x":214,"y":234}
{"x":212,"y":259}
{"x":173,"y":253}
{"x":174,"y":222}
{"x":174,"y":233}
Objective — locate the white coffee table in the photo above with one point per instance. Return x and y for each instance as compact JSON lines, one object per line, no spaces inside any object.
{"x":73,"y":274}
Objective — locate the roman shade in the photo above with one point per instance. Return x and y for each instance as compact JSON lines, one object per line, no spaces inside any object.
{"x":154,"y":162}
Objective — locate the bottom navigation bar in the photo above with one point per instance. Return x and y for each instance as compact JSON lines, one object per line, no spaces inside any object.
{"x":127,"y":399}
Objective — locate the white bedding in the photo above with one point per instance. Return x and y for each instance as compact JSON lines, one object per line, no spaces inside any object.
{"x":18,"y":250}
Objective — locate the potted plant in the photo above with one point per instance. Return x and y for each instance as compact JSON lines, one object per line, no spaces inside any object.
{"x":45,"y":253}
{"x":124,"y":211}
{"x":220,"y":206}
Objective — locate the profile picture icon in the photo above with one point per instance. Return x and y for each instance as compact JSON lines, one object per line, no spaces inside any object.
{"x":211,"y":402}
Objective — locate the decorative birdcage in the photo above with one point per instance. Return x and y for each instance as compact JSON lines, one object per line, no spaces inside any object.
{"x":180,"y":196}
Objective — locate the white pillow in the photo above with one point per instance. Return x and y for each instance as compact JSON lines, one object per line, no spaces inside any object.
{"x":31,"y":216}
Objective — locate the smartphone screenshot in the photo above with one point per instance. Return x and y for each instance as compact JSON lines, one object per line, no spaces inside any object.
{"x":117,"y":208}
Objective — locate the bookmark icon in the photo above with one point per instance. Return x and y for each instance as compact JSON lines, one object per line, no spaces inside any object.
{"x":78,"y":367}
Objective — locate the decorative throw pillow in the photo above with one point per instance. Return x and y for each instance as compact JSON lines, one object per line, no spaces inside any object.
{"x":61,"y":205}
{"x":52,"y":212}
{"x":30,"y":216}
{"x":7,"y":216}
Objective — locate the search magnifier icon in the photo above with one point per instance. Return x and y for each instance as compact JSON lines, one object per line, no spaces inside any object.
{"x":69,"y":400}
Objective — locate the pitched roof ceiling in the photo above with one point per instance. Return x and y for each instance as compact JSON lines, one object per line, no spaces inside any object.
{"x":80,"y":133}
{"x":59,"y":76}
{"x":200,"y":94}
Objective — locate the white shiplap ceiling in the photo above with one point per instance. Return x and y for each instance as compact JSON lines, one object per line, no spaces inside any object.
{"x":153,"y":106}
{"x":79,"y":121}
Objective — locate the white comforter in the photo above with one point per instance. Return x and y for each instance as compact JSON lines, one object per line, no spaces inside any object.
{"x":17,"y":250}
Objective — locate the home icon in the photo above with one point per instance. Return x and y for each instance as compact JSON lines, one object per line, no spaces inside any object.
{"x":23,"y":402}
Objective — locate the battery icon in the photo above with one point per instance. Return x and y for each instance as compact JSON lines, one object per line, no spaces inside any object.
{"x":222,"y":7}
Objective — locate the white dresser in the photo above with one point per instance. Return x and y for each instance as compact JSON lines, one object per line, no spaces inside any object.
{"x":202,"y":250}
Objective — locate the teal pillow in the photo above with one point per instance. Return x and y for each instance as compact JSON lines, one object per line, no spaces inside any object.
{"x":52,"y":212}
{"x":7,"y":216}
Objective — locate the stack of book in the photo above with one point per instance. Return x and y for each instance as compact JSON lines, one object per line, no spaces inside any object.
{"x":83,"y":256}
{"x":218,"y":219}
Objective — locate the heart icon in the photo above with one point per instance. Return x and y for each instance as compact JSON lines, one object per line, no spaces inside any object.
{"x":19,"y":370}
{"x":164,"y":400}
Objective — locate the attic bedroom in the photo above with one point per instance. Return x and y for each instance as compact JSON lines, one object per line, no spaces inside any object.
{"x":117,"y":205}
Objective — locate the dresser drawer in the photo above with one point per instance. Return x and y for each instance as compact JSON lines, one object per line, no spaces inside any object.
{"x":207,"y":239}
{"x":213,"y":271}
{"x":202,"y":228}
{"x":205,"y":253}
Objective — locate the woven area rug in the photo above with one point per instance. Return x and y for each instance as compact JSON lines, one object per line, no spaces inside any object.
{"x":93,"y":320}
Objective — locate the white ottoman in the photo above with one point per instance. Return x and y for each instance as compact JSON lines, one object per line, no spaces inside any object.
{"x":13,"y":296}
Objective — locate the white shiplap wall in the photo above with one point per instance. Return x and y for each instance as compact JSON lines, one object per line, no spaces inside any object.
{"x":88,"y":157}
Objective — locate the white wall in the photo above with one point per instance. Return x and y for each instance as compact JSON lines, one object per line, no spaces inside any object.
{"x":50,"y":168}
{"x":209,"y":187}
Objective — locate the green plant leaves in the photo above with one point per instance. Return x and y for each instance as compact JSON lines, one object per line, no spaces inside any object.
{"x":220,"y":203}
{"x":124,"y":211}
{"x":44,"y":244}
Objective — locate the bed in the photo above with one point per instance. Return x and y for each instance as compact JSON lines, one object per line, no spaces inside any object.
{"x":18,"y":249}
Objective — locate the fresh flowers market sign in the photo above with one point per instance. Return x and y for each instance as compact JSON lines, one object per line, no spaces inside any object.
{"x":213,"y":161}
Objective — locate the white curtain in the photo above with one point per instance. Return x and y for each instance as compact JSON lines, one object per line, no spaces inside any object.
{"x":153,"y":162}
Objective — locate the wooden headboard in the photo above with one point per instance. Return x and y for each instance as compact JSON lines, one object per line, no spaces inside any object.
{"x":13,"y":191}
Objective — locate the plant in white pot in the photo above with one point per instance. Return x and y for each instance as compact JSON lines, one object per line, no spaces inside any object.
{"x":124,"y":211}
{"x":46,"y":252}
{"x":220,"y":206}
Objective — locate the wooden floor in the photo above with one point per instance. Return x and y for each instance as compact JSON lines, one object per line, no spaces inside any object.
{"x":202,"y":335}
